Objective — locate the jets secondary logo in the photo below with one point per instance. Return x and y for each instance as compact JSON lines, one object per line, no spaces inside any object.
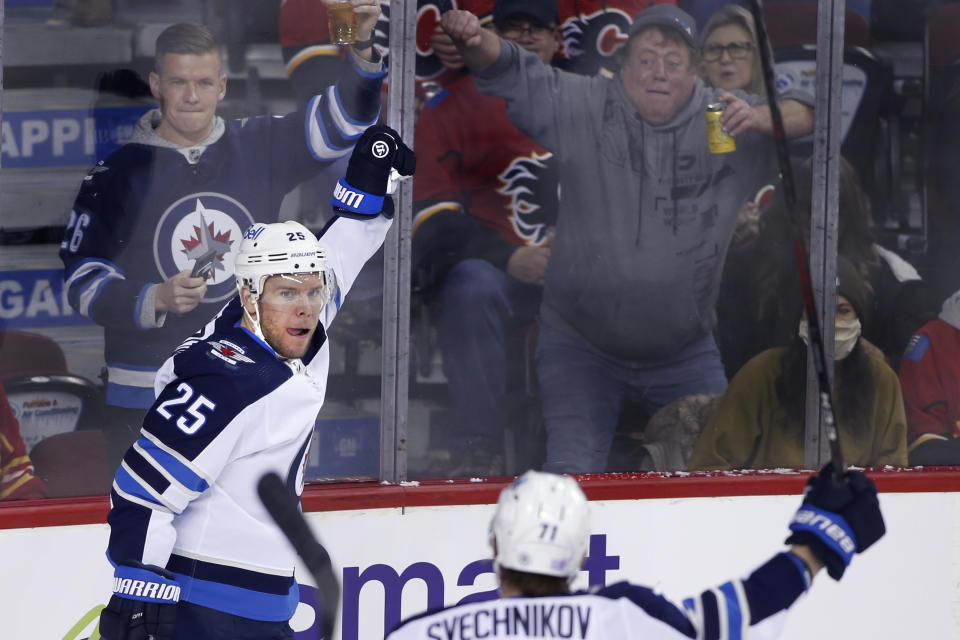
{"x":201,"y":232}
{"x":532,"y":185}
{"x":228,"y":352}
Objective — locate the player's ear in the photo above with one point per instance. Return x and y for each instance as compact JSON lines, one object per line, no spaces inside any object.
{"x":223,"y":88}
{"x":154,"y":84}
{"x":247,"y":300}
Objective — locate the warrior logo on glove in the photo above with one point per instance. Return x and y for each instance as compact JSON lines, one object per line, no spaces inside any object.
{"x":377,"y":163}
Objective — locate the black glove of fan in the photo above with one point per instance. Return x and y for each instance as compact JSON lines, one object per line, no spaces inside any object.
{"x":838,"y":519}
{"x":363,"y":192}
{"x":143,"y":605}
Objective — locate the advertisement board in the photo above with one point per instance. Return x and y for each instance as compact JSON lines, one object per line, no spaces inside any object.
{"x":395,"y":562}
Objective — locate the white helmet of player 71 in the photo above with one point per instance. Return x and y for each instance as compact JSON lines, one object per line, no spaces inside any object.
{"x":541,"y":525}
{"x":281,"y":247}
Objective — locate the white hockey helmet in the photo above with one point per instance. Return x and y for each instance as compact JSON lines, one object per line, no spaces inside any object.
{"x":280,"y":248}
{"x":541,"y":525}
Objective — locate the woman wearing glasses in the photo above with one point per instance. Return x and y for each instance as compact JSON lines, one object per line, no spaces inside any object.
{"x":728,"y":48}
{"x":730,"y":60}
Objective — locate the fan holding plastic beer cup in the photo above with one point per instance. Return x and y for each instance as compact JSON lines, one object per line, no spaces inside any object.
{"x":352,"y":21}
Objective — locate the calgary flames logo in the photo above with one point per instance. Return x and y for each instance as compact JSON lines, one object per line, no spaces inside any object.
{"x":532,"y":185}
{"x":594,"y":38}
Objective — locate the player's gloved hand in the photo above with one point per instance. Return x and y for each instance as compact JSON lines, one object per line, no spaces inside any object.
{"x":143,"y":605}
{"x":837,"y":519}
{"x":378,"y":159}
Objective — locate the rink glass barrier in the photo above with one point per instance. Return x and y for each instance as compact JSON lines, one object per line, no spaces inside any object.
{"x":437,"y":355}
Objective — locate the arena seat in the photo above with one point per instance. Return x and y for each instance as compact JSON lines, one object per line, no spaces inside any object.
{"x":45,"y":397}
{"x":73,"y":464}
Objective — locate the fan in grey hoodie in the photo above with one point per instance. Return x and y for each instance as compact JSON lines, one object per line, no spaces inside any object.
{"x":646,"y":216}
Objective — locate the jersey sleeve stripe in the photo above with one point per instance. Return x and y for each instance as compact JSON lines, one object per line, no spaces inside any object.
{"x":350,"y":128}
{"x":733,"y":620}
{"x":711,"y":615}
{"x":178,"y":457}
{"x":87,"y":282}
{"x":9,"y":490}
{"x":695,"y":614}
{"x":321,"y":146}
{"x":83,"y":268}
{"x":147,"y":470}
{"x":313,"y":51}
{"x":171,"y":467}
{"x":136,"y":499}
{"x":926,"y":437}
{"x":131,"y":483}
{"x":428,"y":212}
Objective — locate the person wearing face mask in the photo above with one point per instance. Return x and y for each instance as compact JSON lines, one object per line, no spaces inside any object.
{"x":759,"y":421}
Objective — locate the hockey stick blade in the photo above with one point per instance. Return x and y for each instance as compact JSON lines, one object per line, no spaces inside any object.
{"x":283,"y":507}
{"x":790,"y":197}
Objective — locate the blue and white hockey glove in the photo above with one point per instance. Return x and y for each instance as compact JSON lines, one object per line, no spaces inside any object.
{"x":143,"y":605}
{"x":838,"y":519}
{"x":377,"y":162}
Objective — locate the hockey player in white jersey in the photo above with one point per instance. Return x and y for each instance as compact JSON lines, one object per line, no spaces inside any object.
{"x":196,"y":555}
{"x":539,"y":535}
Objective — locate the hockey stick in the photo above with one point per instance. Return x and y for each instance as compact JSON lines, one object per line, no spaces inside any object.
{"x":790,"y":197}
{"x":285,"y":511}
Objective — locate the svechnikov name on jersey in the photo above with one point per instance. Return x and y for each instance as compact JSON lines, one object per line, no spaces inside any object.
{"x":505,"y":619}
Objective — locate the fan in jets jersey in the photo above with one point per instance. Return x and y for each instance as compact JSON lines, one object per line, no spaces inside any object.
{"x":162,"y":205}
{"x":193,"y":548}
{"x":539,"y":533}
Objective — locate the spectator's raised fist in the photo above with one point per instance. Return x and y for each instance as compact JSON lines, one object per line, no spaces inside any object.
{"x":463,"y":27}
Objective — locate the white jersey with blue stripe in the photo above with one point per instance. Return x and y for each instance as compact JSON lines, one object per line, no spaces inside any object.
{"x":228,"y":411}
{"x":753,"y":608}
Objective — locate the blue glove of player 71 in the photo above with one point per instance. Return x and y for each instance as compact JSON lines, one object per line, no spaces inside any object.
{"x":143,"y":605}
{"x":378,"y":155}
{"x":838,"y":519}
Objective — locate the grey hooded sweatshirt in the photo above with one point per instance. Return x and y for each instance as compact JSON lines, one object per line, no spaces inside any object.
{"x":646,"y":212}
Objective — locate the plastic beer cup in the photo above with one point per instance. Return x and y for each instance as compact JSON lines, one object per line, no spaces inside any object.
{"x":342,"y":23}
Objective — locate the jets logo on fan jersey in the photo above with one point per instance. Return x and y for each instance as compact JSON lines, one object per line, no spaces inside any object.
{"x":201,"y":232}
{"x":228,"y":352}
{"x":532,"y":184}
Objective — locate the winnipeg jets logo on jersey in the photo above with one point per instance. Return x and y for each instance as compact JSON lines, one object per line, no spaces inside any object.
{"x":532,"y":184}
{"x":595,"y":37}
{"x":228,"y":352}
{"x":201,"y":232}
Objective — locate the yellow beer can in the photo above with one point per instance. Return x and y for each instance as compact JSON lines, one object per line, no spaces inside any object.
{"x":719,"y":140}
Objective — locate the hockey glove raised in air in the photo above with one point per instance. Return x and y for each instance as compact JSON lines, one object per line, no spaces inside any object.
{"x":143,"y":605}
{"x":378,"y":160}
{"x":838,"y":519}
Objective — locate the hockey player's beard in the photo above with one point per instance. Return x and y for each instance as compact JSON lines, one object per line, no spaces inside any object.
{"x":289,"y":340}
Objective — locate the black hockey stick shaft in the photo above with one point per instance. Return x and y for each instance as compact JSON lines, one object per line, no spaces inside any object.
{"x":790,"y":197}
{"x":284,"y":508}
